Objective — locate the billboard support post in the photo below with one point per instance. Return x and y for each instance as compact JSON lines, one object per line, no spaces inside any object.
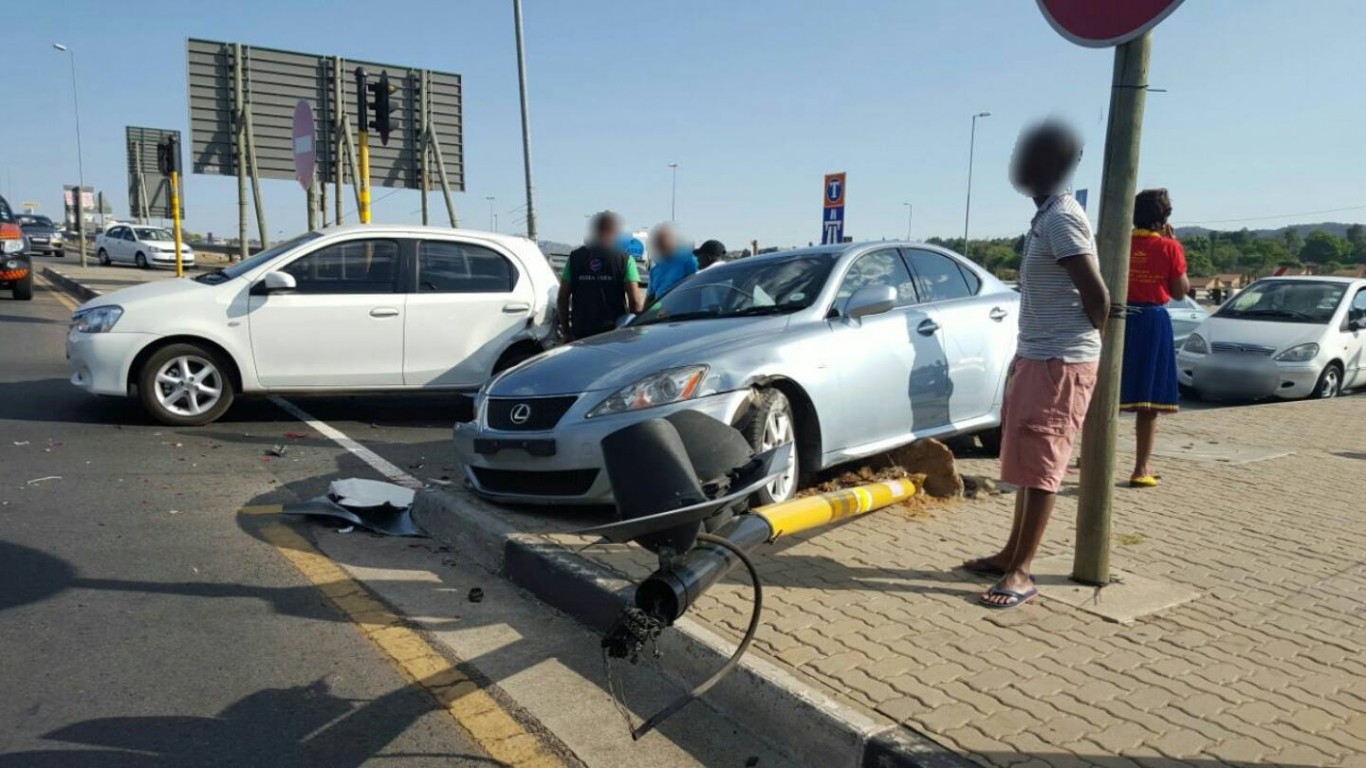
{"x":426,"y":169}
{"x":338,"y":131}
{"x":240,"y":148}
{"x":255,"y":176}
{"x":363,"y":141}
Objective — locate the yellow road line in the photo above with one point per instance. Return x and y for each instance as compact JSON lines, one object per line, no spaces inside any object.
{"x":57,"y":292}
{"x":472,"y":708}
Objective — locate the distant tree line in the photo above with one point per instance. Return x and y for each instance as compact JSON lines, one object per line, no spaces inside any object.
{"x":1241,"y":252}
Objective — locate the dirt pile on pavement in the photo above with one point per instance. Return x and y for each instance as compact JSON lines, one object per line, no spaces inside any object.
{"x":927,"y":463}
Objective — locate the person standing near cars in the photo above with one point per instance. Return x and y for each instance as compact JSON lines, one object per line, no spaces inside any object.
{"x":672,"y":265}
{"x":1157,"y":274}
{"x":599,"y":284}
{"x":1063,"y":306}
{"x":710,"y":254}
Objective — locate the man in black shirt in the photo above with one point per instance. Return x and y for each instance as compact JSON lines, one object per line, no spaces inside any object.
{"x":599,"y":284}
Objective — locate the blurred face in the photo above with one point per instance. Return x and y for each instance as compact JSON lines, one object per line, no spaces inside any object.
{"x":607,"y":232}
{"x":665,"y":243}
{"x":1043,"y":159}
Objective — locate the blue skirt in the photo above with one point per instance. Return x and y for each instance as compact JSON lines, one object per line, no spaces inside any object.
{"x":1149,"y":382}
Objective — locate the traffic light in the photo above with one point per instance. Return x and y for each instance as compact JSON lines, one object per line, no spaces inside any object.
{"x":382,"y":107}
{"x":168,"y":156}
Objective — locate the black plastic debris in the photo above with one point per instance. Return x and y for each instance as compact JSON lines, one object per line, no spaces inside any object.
{"x":377,"y":506}
{"x":476,"y":595}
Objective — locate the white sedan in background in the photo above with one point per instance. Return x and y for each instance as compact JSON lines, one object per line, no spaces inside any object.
{"x":144,"y":246}
{"x":347,"y":309}
{"x":1287,"y":337}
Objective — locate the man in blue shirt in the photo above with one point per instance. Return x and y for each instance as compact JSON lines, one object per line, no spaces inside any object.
{"x":672,"y":263}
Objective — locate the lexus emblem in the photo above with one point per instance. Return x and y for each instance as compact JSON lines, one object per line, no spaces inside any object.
{"x":520,"y":413}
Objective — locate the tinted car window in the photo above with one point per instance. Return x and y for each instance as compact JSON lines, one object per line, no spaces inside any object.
{"x":878,"y":268}
{"x":444,"y":267}
{"x":6,"y":215}
{"x":357,"y":266}
{"x":939,"y":278}
{"x":1359,"y":303}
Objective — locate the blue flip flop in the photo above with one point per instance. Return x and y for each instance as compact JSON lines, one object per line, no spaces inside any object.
{"x":1018,"y":597}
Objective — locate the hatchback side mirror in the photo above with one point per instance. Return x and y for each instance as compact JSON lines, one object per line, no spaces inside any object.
{"x":275,"y":282}
{"x":1357,"y":324}
{"x":870,"y":300}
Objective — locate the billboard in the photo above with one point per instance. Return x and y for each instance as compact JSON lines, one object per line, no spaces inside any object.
{"x":87,"y":207}
{"x":149,"y":192}
{"x":275,"y":81}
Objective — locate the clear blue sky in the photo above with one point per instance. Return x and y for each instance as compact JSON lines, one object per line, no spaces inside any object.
{"x":756,"y":100}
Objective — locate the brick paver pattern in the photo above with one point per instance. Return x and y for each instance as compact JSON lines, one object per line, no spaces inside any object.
{"x":1266,"y":668}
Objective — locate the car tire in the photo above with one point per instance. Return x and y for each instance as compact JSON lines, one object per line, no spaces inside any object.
{"x":1329,"y":384}
{"x":515,"y":356}
{"x":140,"y":260}
{"x":103,"y":256}
{"x":23,"y":290}
{"x":179,"y":406}
{"x":1188,"y":392}
{"x":991,"y":441}
{"x":768,"y":423}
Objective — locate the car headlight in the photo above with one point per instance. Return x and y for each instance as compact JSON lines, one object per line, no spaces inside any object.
{"x":1195,"y":344}
{"x":96,"y":319}
{"x":13,"y":246}
{"x":671,"y":386}
{"x":1301,"y":354}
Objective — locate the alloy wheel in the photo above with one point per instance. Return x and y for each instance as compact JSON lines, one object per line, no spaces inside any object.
{"x":188,"y":385}
{"x":1332,"y":383}
{"x":778,"y":430}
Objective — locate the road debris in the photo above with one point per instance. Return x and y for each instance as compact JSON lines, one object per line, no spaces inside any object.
{"x":277,"y":450}
{"x":21,"y":442}
{"x":476,"y":595}
{"x":377,"y":506}
{"x":37,"y":480}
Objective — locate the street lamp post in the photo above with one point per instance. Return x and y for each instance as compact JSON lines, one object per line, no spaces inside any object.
{"x":909,"y":210}
{"x":967,"y":208}
{"x":80,"y":162}
{"x":526,"y":123}
{"x":673,"y":192}
{"x":493,"y":221}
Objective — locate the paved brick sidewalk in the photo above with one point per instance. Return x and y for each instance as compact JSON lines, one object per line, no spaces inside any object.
{"x":1266,"y":668}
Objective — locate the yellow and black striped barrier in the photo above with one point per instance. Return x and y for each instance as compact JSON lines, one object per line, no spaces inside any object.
{"x":809,"y":512}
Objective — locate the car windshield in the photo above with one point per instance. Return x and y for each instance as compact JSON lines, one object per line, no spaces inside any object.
{"x":228,"y":273}
{"x":35,"y":221}
{"x":153,"y":234}
{"x":1286,"y":301}
{"x":744,"y":288}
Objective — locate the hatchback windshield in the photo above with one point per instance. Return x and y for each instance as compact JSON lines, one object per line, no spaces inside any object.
{"x":154,"y":234}
{"x":228,"y":273}
{"x":743,"y":288}
{"x":1286,"y":301}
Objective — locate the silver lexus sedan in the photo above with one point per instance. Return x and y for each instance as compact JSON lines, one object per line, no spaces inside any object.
{"x":848,"y":350}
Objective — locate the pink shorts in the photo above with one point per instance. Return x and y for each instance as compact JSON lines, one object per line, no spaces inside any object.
{"x":1045,"y":404}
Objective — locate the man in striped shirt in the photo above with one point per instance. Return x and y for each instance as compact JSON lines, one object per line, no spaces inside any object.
{"x":1063,"y":305}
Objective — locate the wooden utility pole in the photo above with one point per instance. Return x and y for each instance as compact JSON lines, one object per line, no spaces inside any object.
{"x":1091,"y":562}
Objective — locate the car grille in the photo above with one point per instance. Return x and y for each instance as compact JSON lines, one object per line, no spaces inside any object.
{"x":566,"y":482}
{"x":1230,"y":348}
{"x":527,"y":413}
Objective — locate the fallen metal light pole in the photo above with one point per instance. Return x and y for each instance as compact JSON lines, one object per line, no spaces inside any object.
{"x":673,"y":476}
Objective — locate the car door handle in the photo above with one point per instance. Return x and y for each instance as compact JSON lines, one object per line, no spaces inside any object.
{"x":384,"y":312}
{"x":997,"y":314}
{"x":927,"y":327}
{"x":516,"y":307}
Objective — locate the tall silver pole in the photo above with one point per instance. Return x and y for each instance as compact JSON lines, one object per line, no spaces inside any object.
{"x":526,"y":124}
{"x":673,"y":192}
{"x":909,"y":210}
{"x":80,"y":159}
{"x":493,"y":225}
{"x":967,"y":209}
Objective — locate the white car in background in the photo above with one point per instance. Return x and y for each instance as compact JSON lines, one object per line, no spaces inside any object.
{"x":1187,"y":315}
{"x":145,"y":246}
{"x":1287,"y":337}
{"x":359,"y":308}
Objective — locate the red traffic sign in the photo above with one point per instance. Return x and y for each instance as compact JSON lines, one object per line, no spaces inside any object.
{"x":305,"y":148}
{"x":1105,"y":23}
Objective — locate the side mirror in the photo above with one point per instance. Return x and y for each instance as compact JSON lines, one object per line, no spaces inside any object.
{"x":625,"y":320}
{"x":275,"y":282}
{"x":870,"y":300}
{"x":1357,"y":324}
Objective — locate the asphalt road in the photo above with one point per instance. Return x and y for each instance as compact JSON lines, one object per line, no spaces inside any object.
{"x":141,"y":624}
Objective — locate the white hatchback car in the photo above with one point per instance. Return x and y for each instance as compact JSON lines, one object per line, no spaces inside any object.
{"x":1287,"y":337}
{"x":144,"y":246}
{"x":347,"y":309}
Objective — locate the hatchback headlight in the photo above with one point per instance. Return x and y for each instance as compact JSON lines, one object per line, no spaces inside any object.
{"x":13,"y":246}
{"x":1195,"y":344}
{"x":1301,"y":354}
{"x":671,"y":386}
{"x":96,"y":319}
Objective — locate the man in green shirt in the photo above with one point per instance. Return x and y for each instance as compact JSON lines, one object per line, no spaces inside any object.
{"x":599,"y":283}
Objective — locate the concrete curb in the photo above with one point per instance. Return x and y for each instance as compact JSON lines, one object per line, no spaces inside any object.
{"x":69,"y":285}
{"x":772,"y":701}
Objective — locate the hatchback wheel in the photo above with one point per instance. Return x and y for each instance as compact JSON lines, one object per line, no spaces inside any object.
{"x":185,"y":385}
{"x":1330,"y":382}
{"x":769,"y":424}
{"x":141,"y":261}
{"x":103,"y":256}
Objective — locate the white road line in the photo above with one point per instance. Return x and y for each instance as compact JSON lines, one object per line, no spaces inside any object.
{"x":377,"y":462}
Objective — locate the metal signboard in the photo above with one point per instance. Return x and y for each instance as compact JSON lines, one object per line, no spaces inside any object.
{"x":87,"y":207}
{"x":1104,"y":24}
{"x":832,"y":215}
{"x":273,"y":82}
{"x":1081,"y":196}
{"x":149,"y":190}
